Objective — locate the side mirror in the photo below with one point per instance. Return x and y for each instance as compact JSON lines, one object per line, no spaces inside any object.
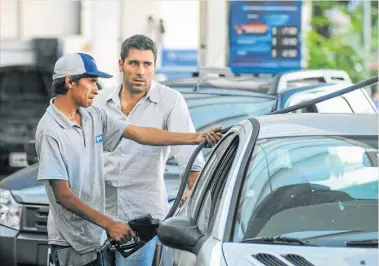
{"x":31,"y":154}
{"x":181,"y":233}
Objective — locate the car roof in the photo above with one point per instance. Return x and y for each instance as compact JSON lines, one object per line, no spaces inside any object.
{"x":260,"y":85}
{"x":308,"y":124}
{"x":302,"y":78}
{"x":211,"y":92}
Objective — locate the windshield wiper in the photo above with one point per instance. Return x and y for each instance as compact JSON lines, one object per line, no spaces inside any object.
{"x":336,"y":233}
{"x":363,"y":243}
{"x":277,"y":240}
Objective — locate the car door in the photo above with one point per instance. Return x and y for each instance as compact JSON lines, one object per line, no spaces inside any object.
{"x":190,"y":208}
{"x":208,"y":193}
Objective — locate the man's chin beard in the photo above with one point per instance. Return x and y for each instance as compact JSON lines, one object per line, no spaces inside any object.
{"x":136,"y":90}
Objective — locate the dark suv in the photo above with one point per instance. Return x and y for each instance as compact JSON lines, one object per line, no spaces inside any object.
{"x":24,"y":96}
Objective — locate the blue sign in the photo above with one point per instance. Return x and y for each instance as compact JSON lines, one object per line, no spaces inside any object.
{"x":179,"y":57}
{"x":264,"y":36}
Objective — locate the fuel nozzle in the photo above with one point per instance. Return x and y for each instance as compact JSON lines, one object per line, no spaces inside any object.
{"x":145,"y":227}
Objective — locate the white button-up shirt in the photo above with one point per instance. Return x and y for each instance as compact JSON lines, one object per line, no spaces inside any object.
{"x":134,"y":172}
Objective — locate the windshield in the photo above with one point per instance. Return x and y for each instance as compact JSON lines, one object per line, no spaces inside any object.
{"x":310,"y":186}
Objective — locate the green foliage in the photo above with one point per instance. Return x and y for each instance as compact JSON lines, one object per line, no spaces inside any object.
{"x":345,"y":51}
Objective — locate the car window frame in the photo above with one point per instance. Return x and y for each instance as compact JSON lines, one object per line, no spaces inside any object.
{"x":217,"y":181}
{"x":203,"y":181}
{"x":228,"y":231}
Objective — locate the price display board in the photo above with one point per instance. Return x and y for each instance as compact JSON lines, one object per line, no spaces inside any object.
{"x":264,"y":36}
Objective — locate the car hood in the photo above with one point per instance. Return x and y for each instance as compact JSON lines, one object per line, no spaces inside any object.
{"x":262,"y":254}
{"x":32,"y":195}
{"x":26,"y":189}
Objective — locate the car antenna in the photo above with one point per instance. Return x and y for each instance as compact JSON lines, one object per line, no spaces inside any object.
{"x":203,"y":72}
{"x":201,"y":78}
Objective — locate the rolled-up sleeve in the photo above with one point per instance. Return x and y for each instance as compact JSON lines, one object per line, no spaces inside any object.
{"x":112,"y":130}
{"x":51,"y":165}
{"x":179,"y":120}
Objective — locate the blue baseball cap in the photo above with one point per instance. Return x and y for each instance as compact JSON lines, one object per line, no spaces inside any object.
{"x":77,"y":64}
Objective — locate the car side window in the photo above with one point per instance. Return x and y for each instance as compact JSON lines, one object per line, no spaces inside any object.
{"x":255,"y":188}
{"x":215,"y":187}
{"x":207,"y":172}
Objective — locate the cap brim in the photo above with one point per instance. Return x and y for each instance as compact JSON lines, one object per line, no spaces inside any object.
{"x":100,"y":74}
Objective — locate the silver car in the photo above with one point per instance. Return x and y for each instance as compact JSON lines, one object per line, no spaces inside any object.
{"x":287,"y":190}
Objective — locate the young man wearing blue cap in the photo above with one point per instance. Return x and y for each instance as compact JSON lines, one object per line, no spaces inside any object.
{"x":70,"y":139}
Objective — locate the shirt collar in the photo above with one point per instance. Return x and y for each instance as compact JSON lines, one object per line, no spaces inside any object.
{"x":152,"y":93}
{"x":115,"y":94}
{"x":61,"y":119}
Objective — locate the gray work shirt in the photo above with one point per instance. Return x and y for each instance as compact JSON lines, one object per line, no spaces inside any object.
{"x":134,"y":172}
{"x":75,"y":153}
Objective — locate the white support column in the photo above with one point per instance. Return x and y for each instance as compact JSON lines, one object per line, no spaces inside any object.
{"x":213,"y":33}
{"x":86,"y":18}
{"x":135,"y":18}
{"x":9,"y":19}
{"x":105,"y":24}
{"x":100,"y":25}
{"x":140,"y":17}
{"x":25,"y":19}
{"x":306,"y":27}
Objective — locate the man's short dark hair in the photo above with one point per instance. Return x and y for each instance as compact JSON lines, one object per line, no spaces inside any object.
{"x":59,"y":84}
{"x":139,"y":42}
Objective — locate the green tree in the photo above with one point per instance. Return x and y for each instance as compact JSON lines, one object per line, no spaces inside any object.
{"x":340,"y":51}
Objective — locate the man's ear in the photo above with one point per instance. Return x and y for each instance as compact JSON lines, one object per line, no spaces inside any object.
{"x":120,"y":65}
{"x":68,"y":81}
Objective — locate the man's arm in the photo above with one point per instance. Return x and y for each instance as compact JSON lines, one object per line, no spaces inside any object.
{"x":154,"y":136}
{"x":71,"y":202}
{"x":192,"y":179}
{"x":52,"y":169}
{"x":115,"y":129}
{"x":67,"y":199}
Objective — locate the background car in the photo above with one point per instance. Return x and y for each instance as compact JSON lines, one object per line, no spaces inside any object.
{"x":280,"y":190}
{"x":25,"y":91}
{"x":353,"y":102}
{"x":24,"y":95}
